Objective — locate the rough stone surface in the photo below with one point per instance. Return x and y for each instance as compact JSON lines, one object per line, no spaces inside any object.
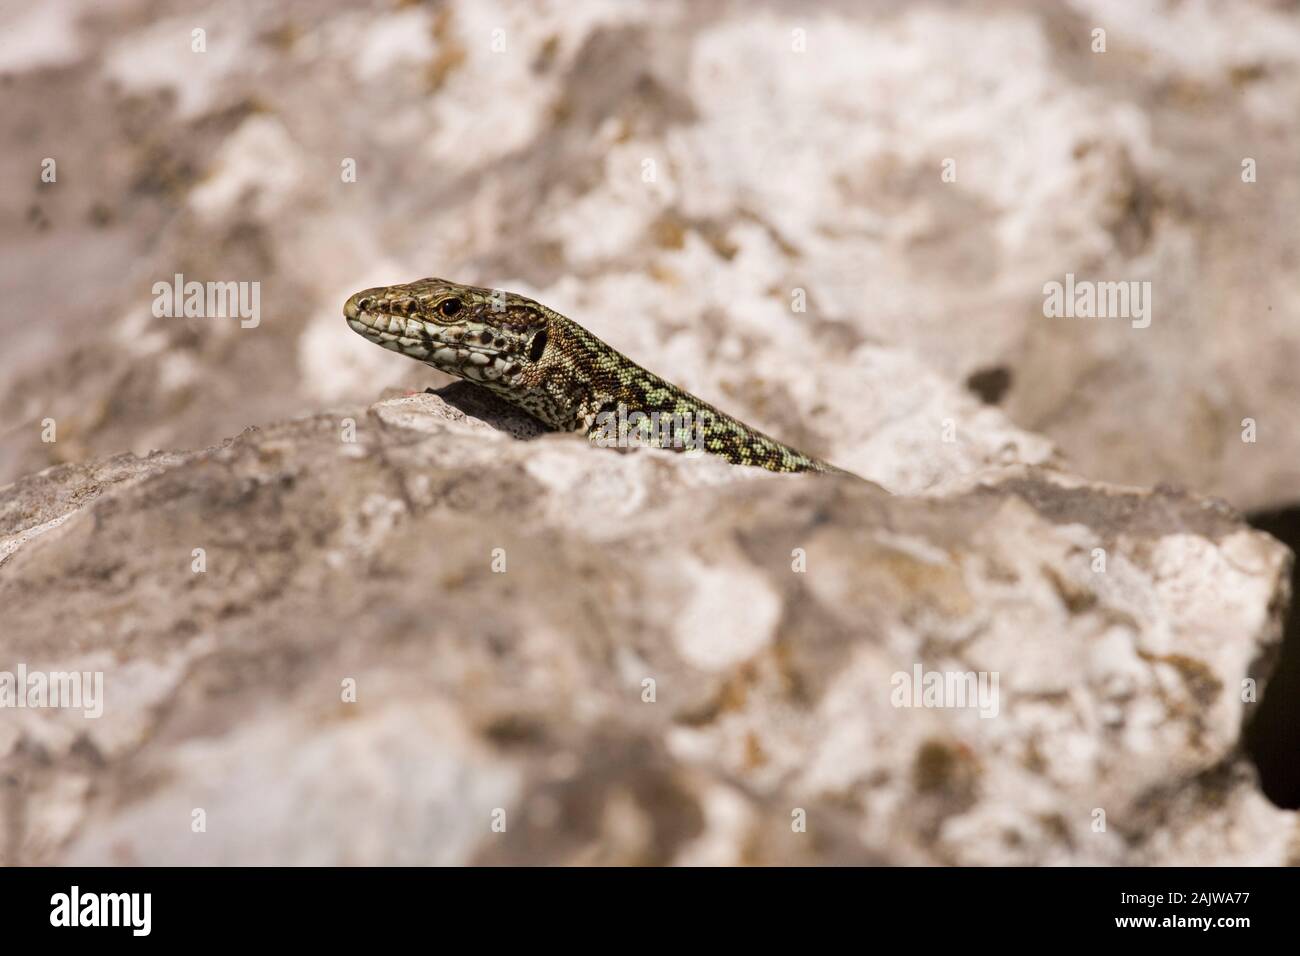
{"x":520,"y":694}
{"x":769,"y":228}
{"x":773,"y":172}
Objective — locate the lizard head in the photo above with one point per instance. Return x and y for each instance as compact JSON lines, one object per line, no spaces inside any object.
{"x":482,"y":335}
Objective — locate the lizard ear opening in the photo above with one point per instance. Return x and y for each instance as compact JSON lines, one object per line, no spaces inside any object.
{"x":537,"y":346}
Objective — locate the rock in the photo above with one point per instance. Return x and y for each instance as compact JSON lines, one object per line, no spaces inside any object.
{"x":453,"y":640}
{"x":431,"y":644}
{"x":757,"y":243}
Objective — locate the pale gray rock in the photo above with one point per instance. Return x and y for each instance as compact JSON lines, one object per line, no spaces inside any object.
{"x":752,"y":203}
{"x":622,"y":658}
{"x":795,"y":256}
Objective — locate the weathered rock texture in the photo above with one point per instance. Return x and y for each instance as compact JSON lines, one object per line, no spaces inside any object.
{"x":673,"y":175}
{"x":502,"y":599}
{"x":753,"y":203}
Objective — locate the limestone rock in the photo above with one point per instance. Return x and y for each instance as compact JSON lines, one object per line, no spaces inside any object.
{"x":758,"y":243}
{"x":451,"y":640}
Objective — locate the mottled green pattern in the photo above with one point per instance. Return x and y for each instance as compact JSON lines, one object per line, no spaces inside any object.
{"x":553,"y":368}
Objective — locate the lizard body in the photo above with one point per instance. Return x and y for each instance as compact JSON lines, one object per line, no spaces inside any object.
{"x":555,"y":370}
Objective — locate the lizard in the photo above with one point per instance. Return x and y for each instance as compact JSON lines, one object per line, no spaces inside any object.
{"x":556,"y":371}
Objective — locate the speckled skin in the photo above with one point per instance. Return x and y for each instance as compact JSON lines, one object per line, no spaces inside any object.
{"x":551,"y":367}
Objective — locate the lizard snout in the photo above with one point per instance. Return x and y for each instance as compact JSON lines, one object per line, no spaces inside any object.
{"x":360,"y":303}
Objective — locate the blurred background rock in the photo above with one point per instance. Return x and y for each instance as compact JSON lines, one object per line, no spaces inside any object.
{"x":674,"y":176}
{"x":505,"y":143}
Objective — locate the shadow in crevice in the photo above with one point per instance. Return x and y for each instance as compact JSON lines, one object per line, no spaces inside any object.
{"x":1273,"y":736}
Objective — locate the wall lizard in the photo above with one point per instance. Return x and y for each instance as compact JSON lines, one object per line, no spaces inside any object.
{"x":555,"y":370}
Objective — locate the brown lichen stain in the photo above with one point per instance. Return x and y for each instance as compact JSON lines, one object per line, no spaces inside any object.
{"x":1076,"y":599}
{"x":1198,"y":677}
{"x":668,"y":232}
{"x":663,"y":274}
{"x":546,"y":54}
{"x":939,"y":585}
{"x":944,"y":767}
{"x":450,"y":55}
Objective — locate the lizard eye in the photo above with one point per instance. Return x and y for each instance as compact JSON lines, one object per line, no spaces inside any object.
{"x":449,"y":307}
{"x":537,"y":346}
